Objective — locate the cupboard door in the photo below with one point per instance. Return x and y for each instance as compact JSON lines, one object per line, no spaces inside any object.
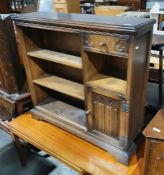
{"x":106,"y":114}
{"x":156,"y":159}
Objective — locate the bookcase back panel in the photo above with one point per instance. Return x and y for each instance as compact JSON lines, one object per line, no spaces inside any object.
{"x":52,"y":40}
{"x":104,"y":65}
{"x":33,"y":38}
{"x":63,"y":42}
{"x":43,"y":67}
{"x":43,"y":93}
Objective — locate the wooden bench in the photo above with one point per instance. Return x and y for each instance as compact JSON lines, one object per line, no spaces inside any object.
{"x":71,"y":150}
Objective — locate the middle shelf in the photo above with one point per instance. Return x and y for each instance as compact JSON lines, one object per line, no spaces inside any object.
{"x":62,"y":85}
{"x":57,"y":57}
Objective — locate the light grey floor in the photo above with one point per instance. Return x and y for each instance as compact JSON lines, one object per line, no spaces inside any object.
{"x":36,"y":165}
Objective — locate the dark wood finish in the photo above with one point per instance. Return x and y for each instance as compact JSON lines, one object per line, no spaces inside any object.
{"x":14,"y":98}
{"x":71,"y":150}
{"x":101,"y":90}
{"x":154,"y":152}
{"x":19,"y":150}
{"x":4,"y":6}
{"x":11,"y":75}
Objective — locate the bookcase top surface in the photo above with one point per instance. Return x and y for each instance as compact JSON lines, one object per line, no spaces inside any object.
{"x":131,"y":24}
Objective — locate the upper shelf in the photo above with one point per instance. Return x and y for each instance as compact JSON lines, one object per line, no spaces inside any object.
{"x":64,"y":86}
{"x":110,"y":84}
{"x":57,"y":57}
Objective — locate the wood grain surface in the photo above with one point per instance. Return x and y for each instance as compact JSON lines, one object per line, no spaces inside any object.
{"x":62,"y":85}
{"x":73,"y":151}
{"x":57,"y":57}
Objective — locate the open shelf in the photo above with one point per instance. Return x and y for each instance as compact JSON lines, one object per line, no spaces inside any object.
{"x":110,"y":84}
{"x":57,"y":57}
{"x":64,"y":86}
{"x":62,"y":111}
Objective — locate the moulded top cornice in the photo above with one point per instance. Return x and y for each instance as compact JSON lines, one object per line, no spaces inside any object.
{"x":103,"y":23}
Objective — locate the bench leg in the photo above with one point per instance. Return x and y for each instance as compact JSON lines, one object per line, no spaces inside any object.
{"x":19,"y":150}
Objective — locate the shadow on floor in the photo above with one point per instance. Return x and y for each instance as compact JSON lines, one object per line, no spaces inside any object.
{"x":36,"y":165}
{"x":10,"y":165}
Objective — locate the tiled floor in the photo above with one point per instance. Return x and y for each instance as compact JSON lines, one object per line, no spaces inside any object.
{"x":36,"y":165}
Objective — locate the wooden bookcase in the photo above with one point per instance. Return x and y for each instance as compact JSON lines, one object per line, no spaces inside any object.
{"x":87,"y":74}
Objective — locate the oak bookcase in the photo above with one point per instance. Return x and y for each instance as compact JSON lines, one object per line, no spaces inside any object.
{"x":87,"y":74}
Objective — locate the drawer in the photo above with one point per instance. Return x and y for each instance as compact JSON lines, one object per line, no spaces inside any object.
{"x":60,"y":8}
{"x":7,"y":107}
{"x":108,"y":44}
{"x":59,"y":1}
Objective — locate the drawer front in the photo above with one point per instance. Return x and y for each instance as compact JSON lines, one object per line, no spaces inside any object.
{"x":59,"y":1}
{"x":108,"y":44}
{"x":7,"y":108}
{"x":61,"y":8}
{"x":156,"y":159}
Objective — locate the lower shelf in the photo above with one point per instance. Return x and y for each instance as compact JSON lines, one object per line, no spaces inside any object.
{"x":61,"y":111}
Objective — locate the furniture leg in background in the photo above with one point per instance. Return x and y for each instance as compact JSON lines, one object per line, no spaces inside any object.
{"x":19,"y":150}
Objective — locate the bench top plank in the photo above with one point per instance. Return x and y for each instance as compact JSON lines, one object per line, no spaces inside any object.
{"x":71,"y":150}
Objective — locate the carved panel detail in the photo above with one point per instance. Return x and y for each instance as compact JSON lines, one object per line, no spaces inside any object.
{"x":108,"y":44}
{"x":106,"y":115}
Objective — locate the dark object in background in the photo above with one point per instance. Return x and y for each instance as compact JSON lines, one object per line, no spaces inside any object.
{"x":154,"y":152}
{"x":18,"y":6}
{"x":14,"y":95}
{"x":87,"y":8}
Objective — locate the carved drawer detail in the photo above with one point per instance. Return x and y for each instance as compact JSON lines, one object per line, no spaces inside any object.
{"x":106,"y":115}
{"x":108,"y":44}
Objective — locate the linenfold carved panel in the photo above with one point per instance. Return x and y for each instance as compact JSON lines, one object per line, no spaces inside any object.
{"x":106,"y":115}
{"x":111,"y":43}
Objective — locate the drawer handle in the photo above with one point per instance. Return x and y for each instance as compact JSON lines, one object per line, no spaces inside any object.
{"x":88,"y":112}
{"x":103,"y":44}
